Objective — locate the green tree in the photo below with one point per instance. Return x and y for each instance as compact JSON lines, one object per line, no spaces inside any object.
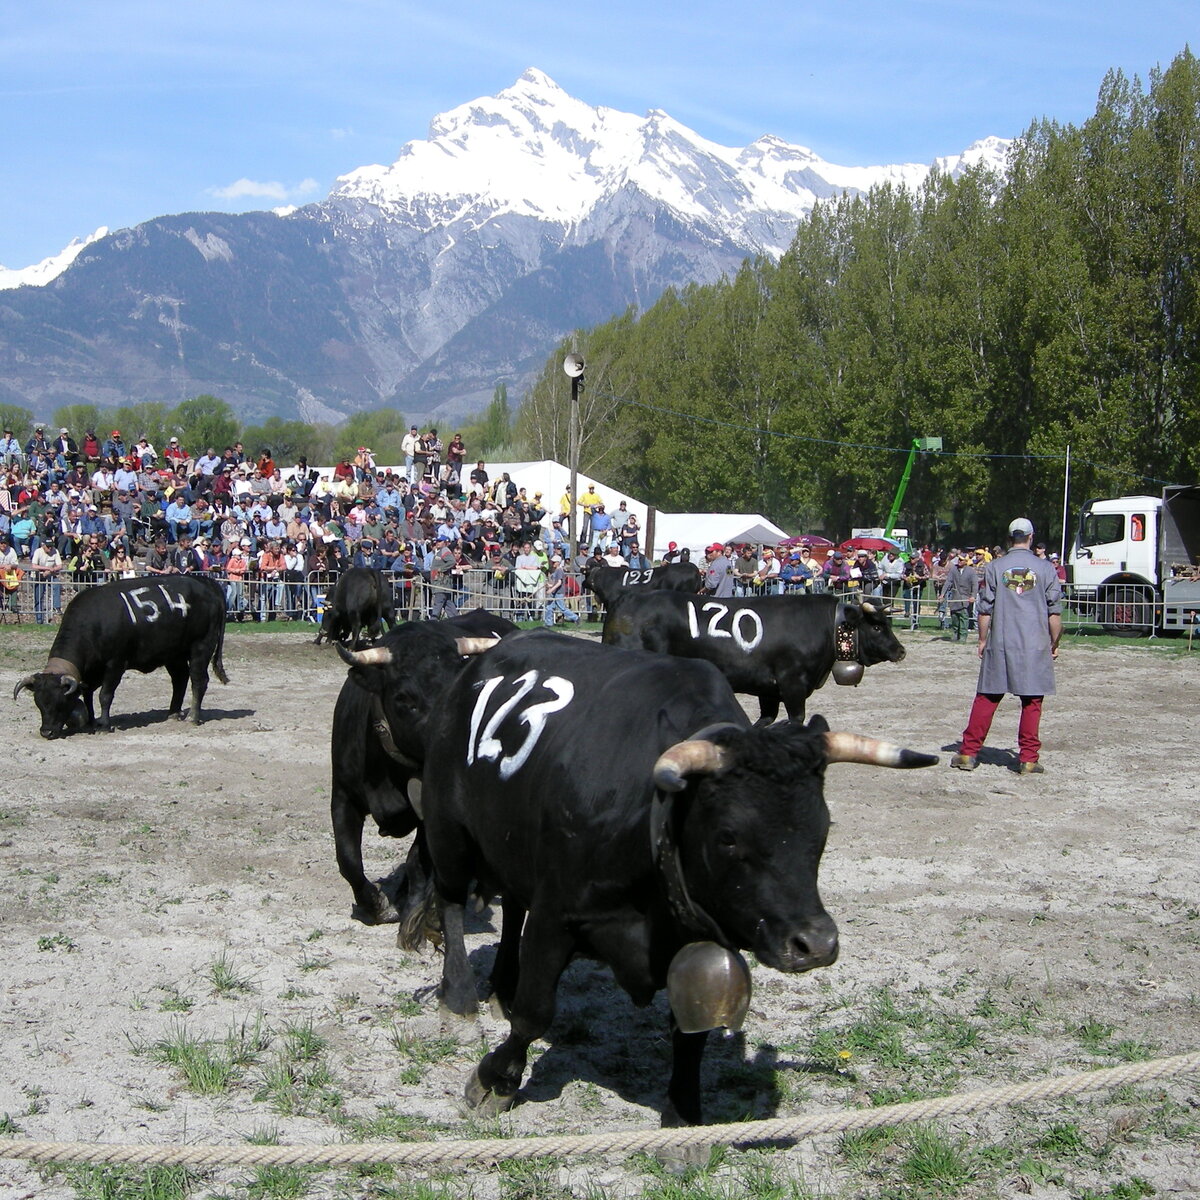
{"x":379,"y":429}
{"x":290,"y":440}
{"x":152,"y":419}
{"x":205,"y":422}
{"x":19,"y":420}
{"x":79,"y":418}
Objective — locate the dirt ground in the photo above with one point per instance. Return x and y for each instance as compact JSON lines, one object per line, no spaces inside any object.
{"x":179,"y":963}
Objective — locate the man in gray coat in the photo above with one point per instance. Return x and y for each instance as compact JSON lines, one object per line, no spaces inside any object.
{"x":1020,"y":623}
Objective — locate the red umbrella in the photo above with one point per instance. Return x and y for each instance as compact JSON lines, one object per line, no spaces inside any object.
{"x":870,"y":543}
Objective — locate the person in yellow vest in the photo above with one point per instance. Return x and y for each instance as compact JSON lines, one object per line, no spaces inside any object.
{"x":588,"y":502}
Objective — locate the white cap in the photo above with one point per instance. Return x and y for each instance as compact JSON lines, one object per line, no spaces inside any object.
{"x":1022,"y":527}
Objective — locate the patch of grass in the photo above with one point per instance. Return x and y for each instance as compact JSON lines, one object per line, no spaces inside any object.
{"x":1132,"y":1189}
{"x":210,"y":1067}
{"x":388,"y":1124}
{"x":127,"y":1183}
{"x":315,"y":962}
{"x":226,"y":978}
{"x":935,"y":1161}
{"x":55,"y":942}
{"x":421,"y":1052}
{"x":280,"y":1183}
{"x":174,"y":1000}
{"x":531,"y":1179}
{"x":9,"y":1127}
{"x":294,"y":993}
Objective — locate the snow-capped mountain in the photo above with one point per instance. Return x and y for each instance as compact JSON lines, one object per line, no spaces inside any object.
{"x":424,"y":282}
{"x":43,"y":272}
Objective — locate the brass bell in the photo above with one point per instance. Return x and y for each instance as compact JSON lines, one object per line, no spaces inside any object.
{"x":707,"y":987}
{"x":847,"y":674}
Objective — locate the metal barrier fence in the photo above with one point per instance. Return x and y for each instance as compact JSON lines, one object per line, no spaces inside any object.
{"x":1128,"y":609}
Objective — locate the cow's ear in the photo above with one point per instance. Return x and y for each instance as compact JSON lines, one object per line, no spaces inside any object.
{"x":817,"y":724}
{"x":370,"y":679}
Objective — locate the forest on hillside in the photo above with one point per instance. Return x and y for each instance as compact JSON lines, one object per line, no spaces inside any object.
{"x":1011,"y":317}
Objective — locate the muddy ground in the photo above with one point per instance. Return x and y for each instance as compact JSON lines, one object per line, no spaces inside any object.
{"x":179,"y":963}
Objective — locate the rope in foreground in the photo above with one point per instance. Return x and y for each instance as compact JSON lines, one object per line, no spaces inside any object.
{"x":494,"y":1150}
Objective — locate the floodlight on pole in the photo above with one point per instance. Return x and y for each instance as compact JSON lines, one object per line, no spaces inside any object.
{"x":573,"y":367}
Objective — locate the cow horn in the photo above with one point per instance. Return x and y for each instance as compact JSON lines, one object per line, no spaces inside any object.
{"x":69,"y":684}
{"x":376,"y":656}
{"x":475,"y":645}
{"x":676,"y":763}
{"x":27,"y":682}
{"x":853,"y":747}
{"x":868,"y":607}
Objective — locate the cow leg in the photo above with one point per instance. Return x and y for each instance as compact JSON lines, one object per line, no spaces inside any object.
{"x":545,"y":951}
{"x":179,"y":680}
{"x":89,"y":707}
{"x":768,"y":709}
{"x":457,"y":990}
{"x":371,"y":906}
{"x":198,"y":674}
{"x":683,"y":1092}
{"x":794,"y":700}
{"x":506,"y":969}
{"x":108,"y":689}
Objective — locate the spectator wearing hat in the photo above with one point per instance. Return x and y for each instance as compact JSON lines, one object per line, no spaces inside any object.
{"x":64,"y":448}
{"x":37,"y":450}
{"x":794,"y":575}
{"x":613,"y":557}
{"x":176,"y":457}
{"x":836,"y":573}
{"x":960,"y":592}
{"x":236,"y":567}
{"x":864,"y":573}
{"x":114,"y":447}
{"x":46,"y":566}
{"x":1059,"y":569}
{"x":556,"y":603}
{"x":672,"y":554}
{"x":588,"y":502}
{"x":1020,"y":624}
{"x":11,"y":454}
{"x":718,"y":572}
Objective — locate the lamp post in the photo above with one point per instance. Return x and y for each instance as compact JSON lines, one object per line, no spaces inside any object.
{"x":573,"y":366}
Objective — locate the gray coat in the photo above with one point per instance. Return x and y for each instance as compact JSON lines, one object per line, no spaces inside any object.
{"x":1020,"y":591}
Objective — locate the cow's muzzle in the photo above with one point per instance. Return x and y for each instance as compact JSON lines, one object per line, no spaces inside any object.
{"x":802,"y":948}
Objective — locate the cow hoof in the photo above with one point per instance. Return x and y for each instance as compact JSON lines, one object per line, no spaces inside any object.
{"x":483,"y":1100}
{"x":375,"y":914}
{"x":176,"y":716}
{"x":450,"y":1015}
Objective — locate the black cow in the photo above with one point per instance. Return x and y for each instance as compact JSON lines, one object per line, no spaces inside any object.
{"x":377,"y":749}
{"x":172,"y":621}
{"x":700,"y":832}
{"x":773,"y":647}
{"x":612,"y":583}
{"x":361,"y":602}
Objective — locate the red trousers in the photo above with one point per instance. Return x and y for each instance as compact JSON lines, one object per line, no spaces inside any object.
{"x":980,"y":721}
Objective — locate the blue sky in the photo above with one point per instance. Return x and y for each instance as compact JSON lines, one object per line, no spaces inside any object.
{"x":119,"y":111}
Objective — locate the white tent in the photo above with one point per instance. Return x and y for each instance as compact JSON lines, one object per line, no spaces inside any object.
{"x":693,"y":530}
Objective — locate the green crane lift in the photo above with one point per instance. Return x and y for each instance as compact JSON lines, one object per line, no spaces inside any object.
{"x":919,"y":446}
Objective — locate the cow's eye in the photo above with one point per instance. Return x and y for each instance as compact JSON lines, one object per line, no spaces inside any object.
{"x":726,"y":839}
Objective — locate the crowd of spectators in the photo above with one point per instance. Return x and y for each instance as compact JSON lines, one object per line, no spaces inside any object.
{"x":94,"y":509}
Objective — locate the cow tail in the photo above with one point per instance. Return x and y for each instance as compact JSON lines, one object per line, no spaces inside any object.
{"x":420,"y":922}
{"x":217,"y":665}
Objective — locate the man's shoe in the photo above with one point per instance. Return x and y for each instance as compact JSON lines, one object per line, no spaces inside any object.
{"x":1031,"y":768}
{"x":964,"y":762}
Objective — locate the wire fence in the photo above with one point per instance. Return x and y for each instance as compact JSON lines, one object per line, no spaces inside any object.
{"x":521,"y":596}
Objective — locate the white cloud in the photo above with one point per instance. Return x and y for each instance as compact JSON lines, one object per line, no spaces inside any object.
{"x":254,"y":189}
{"x":244,"y":189}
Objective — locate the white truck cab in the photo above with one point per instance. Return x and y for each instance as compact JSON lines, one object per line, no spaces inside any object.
{"x":1133,"y":562}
